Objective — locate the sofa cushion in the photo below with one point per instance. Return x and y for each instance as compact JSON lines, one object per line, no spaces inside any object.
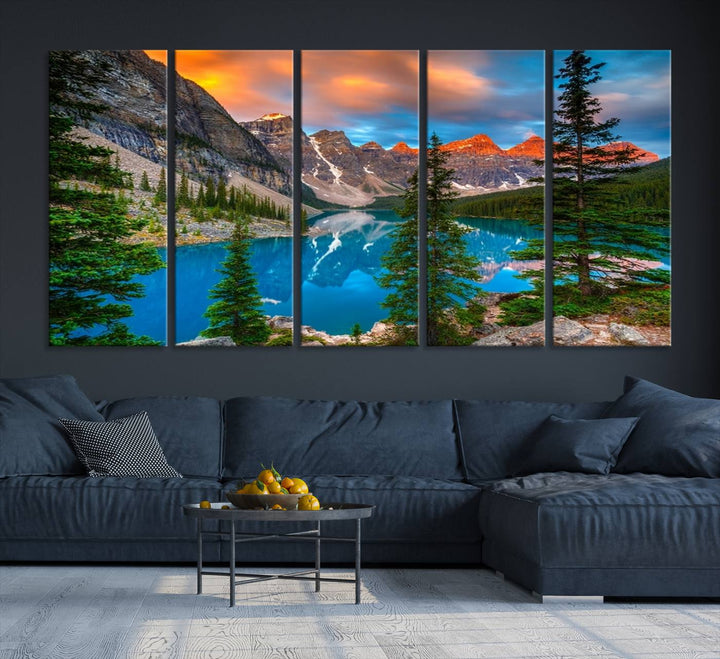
{"x":677,"y":435}
{"x":121,"y":447}
{"x":32,"y":440}
{"x":590,"y":446}
{"x":189,"y":429}
{"x":493,"y":434}
{"x":104,"y":509}
{"x":312,"y":437}
{"x":614,"y":521}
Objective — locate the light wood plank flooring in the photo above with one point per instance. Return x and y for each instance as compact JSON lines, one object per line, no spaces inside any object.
{"x":98,"y":612}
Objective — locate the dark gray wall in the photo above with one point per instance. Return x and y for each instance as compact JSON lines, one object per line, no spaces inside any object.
{"x":32,"y":27}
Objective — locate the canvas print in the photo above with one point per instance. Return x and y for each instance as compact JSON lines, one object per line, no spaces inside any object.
{"x":233,"y":198}
{"x":107,"y":146}
{"x":611,"y":198}
{"x":359,"y":173}
{"x":485,"y":198}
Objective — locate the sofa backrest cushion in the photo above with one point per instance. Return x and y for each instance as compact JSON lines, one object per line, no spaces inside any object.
{"x":677,"y":435}
{"x":493,"y":434}
{"x":314,"y":437}
{"x":589,"y":446}
{"x":32,"y":440}
{"x":188,"y":428}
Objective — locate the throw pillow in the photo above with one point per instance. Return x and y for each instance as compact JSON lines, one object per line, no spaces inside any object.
{"x":121,"y":447}
{"x":590,"y":446}
{"x":677,"y":435}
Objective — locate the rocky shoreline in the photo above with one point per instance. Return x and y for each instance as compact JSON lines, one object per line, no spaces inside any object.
{"x":591,"y":331}
{"x":281,"y":326}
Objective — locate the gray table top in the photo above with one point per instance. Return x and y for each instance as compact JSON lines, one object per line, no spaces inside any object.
{"x":329,"y":511}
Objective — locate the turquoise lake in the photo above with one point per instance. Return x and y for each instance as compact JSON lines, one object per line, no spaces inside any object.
{"x":338,"y":269}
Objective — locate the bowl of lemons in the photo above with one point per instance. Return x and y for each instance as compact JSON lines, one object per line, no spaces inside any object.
{"x":272,"y":491}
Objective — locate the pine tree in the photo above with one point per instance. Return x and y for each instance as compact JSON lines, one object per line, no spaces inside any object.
{"x":221,"y":194}
{"x":145,"y":182}
{"x":90,"y":258}
{"x":161,"y":191}
{"x":210,"y":198}
{"x":183,"y":199}
{"x":598,"y":240}
{"x":237,"y":310}
{"x":452,"y":271}
{"x":356,"y":333}
{"x":400,"y":264}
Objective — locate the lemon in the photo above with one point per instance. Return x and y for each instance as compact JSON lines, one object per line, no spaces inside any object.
{"x":274,"y":487}
{"x":257,"y":487}
{"x":266,"y":476}
{"x":308,"y":502}
{"x":287,"y":482}
{"x":299,"y":487}
{"x":205,"y":504}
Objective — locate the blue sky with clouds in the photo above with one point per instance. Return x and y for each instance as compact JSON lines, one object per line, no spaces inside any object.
{"x":635,"y":88}
{"x":371,"y":95}
{"x":499,"y":93}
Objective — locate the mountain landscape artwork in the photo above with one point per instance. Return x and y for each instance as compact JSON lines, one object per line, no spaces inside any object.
{"x":485,"y":196}
{"x":611,"y":198}
{"x":107,"y":149}
{"x":359,"y":226}
{"x":233,"y":198}
{"x":359,"y":150}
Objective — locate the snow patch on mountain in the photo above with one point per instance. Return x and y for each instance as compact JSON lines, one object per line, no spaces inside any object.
{"x":335,"y":171}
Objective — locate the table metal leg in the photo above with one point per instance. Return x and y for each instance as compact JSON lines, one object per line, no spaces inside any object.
{"x":317,"y":560}
{"x":200,"y":556}
{"x":232,"y":562}
{"x":357,"y":561}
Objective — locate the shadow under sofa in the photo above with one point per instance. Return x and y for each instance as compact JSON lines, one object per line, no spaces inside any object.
{"x":440,"y":474}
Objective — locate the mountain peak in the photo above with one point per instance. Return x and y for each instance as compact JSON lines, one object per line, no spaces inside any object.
{"x":370,"y":146}
{"x":402,"y":147}
{"x":270,"y":116}
{"x":533,"y":147}
{"x":477,"y":145}
{"x":642,"y":157}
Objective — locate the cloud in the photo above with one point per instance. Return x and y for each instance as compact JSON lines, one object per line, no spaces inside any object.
{"x":498,"y":93}
{"x":247,"y":83}
{"x":368,"y":94}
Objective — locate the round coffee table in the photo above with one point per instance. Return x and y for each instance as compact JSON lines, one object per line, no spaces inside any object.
{"x":330,"y":512}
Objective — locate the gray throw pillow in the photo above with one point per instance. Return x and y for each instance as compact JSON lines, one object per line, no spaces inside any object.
{"x":589,"y":446}
{"x":121,"y":447}
{"x":677,"y":435}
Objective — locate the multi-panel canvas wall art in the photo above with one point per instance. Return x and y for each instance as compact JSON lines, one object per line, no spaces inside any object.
{"x":485,"y":198}
{"x":364,"y":208}
{"x":359,"y":154}
{"x":233,"y":199}
{"x":611,"y":198}
{"x":108,"y":197}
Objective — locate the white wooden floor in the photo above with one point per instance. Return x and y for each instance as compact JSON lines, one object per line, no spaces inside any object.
{"x":94,"y":612}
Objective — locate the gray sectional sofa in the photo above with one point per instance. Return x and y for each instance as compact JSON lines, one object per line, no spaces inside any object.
{"x":446,"y":477}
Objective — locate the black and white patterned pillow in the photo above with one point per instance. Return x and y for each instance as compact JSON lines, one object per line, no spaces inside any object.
{"x":121,"y":447}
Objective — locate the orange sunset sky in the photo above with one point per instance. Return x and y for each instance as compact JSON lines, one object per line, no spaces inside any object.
{"x":368,"y":94}
{"x":247,"y":83}
{"x":371,"y":95}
